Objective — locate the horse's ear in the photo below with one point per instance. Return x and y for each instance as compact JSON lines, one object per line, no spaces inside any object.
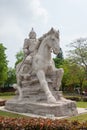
{"x":58,"y":31}
{"x":52,"y":29}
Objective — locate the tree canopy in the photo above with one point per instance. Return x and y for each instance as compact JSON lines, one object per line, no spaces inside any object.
{"x":19,"y":57}
{"x":3,"y":64}
{"x":11,"y":77}
{"x":73,"y":75}
{"x":78,"y":53}
{"x":59,"y":59}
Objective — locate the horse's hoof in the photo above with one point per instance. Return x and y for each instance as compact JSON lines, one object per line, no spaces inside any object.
{"x":51,"y":99}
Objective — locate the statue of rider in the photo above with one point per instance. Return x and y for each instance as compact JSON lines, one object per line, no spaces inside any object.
{"x":30,"y":46}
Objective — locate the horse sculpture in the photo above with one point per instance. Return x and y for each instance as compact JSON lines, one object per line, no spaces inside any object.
{"x":36,"y":79}
{"x":43,"y":64}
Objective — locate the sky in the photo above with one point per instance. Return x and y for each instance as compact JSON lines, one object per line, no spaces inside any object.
{"x":17,"y":17}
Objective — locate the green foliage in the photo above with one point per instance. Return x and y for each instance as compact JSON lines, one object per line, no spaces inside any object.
{"x":60,"y":54}
{"x":77,"y":56}
{"x":78,"y":53}
{"x":11,"y":78}
{"x":74,"y":98}
{"x":2,"y":102}
{"x":3,"y":64}
{"x":19,"y":57}
{"x":74,"y":75}
{"x":85,"y":99}
{"x":85,"y":84}
{"x":59,"y":59}
{"x":58,"y":62}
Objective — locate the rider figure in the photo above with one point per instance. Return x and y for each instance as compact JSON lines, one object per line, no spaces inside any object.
{"x":30,"y":46}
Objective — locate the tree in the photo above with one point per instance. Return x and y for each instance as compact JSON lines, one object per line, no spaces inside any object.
{"x":78,"y":54}
{"x":3,"y":64}
{"x":69,"y":78}
{"x":59,"y":59}
{"x":11,"y":78}
{"x":19,"y":57}
{"x":60,"y":54}
{"x":73,"y":75}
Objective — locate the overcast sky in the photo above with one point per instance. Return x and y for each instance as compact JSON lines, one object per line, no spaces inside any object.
{"x":17,"y":17}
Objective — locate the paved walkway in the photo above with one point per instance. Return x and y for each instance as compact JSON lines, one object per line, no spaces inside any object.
{"x":80,"y":111}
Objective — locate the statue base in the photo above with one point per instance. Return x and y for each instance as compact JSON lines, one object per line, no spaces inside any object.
{"x":58,"y":109}
{"x":34,"y":101}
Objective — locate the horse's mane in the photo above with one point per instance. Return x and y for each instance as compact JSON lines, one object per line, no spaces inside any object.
{"x":52,"y":31}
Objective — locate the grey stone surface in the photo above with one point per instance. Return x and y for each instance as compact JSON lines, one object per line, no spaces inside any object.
{"x":38,"y":81}
{"x":59,"y":109}
{"x":51,"y":116}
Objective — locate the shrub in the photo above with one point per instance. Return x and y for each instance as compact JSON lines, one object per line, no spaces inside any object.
{"x":74,"y":98}
{"x":2,"y":102}
{"x":84,"y":98}
{"x":39,"y":124}
{"x":7,"y":89}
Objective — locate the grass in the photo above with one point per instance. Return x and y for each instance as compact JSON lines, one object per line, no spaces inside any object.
{"x":9,"y":114}
{"x":81,"y":104}
{"x":7,"y":97}
{"x":80,"y":118}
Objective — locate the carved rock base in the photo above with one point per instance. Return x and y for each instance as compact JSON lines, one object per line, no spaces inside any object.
{"x":34,"y":101}
{"x":61,"y":108}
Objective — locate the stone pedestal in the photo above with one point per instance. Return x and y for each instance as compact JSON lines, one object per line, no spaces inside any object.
{"x":34,"y":101}
{"x":60,"y":109}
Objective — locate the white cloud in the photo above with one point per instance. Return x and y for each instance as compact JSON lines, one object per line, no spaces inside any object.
{"x":76,"y":1}
{"x":39,"y":13}
{"x":16,"y":19}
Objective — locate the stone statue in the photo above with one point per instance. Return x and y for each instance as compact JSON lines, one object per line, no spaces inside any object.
{"x":42,"y":63}
{"x":29,"y":49}
{"x":38,"y":81}
{"x":30,"y":45}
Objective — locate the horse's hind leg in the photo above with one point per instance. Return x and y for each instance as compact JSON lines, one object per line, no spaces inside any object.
{"x":44,"y":85}
{"x":60,"y":73}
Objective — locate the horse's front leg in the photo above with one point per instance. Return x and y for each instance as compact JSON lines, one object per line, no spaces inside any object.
{"x":44,"y":85}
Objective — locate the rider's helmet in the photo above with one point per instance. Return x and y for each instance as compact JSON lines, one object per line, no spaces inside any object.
{"x":32,"y":34}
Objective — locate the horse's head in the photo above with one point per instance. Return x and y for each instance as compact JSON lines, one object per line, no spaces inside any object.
{"x":52,"y":40}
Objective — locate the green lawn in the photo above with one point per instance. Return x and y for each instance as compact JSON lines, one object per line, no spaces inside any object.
{"x":6,"y":97}
{"x":81,"y":118}
{"x":9,"y":114}
{"x":81,"y":104}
